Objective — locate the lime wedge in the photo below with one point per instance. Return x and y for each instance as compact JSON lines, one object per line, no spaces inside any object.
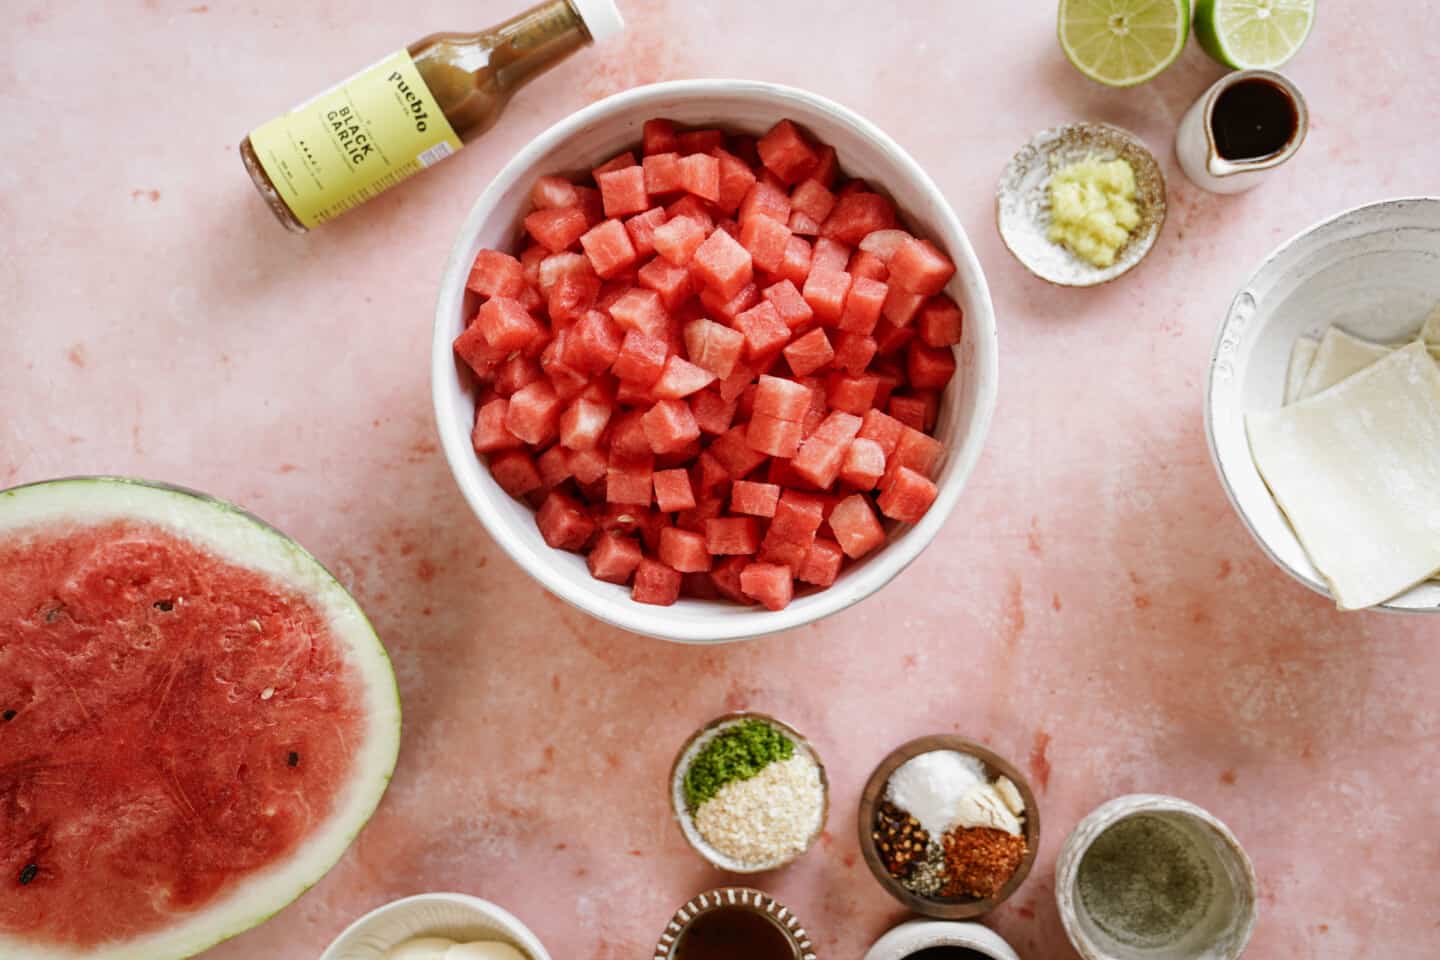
{"x":1253,"y":34}
{"x":1123,"y":42}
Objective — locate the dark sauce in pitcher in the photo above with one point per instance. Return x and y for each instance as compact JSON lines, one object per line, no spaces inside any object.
{"x":733,"y":933}
{"x":1252,"y":119}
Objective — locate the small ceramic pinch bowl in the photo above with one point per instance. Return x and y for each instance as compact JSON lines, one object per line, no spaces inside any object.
{"x":454,"y":916}
{"x":1374,"y":271}
{"x":1224,"y":926}
{"x":683,"y":816}
{"x":945,"y":908}
{"x":913,"y":936}
{"x":736,"y":898}
{"x":1022,"y":202}
{"x":589,"y":137}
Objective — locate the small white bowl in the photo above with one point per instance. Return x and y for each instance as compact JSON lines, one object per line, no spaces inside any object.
{"x":1371,"y":270}
{"x":916,"y":935}
{"x":590,"y":136}
{"x":1224,"y":930}
{"x":454,"y":915}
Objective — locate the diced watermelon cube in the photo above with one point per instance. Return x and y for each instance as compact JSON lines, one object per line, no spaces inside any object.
{"x":890,"y":339}
{"x":862,"y":305}
{"x":909,"y":410}
{"x":591,"y":204}
{"x":918,"y":451}
{"x":515,"y":472}
{"x":809,"y":353}
{"x":658,"y":136}
{"x":530,"y":262}
{"x":864,"y":264}
{"x":681,"y":378}
{"x":640,"y":310}
{"x":622,"y":191}
{"x":593,"y":344}
{"x":787,"y":154}
{"x":641,"y":228}
{"x":782,"y":399}
{"x":733,"y":452}
{"x":495,"y":274}
{"x":700,"y":176}
{"x":864,"y":464}
{"x":735,"y":182}
{"x":655,"y":583}
{"x":813,"y":199}
{"x":571,"y":296}
{"x":716,"y":304}
{"x":857,"y":215}
{"x":901,"y":305}
{"x":627,"y":440}
{"x":790,"y":553}
{"x":620,"y":161}
{"x":700,"y":141}
{"x":770,"y":583}
{"x":614,"y":558}
{"x":567,"y":381}
{"x":554,"y":466}
{"x":940,"y":321}
{"x":802,"y":224}
{"x":797,"y":516}
{"x":726,"y":578}
{"x":829,"y":255}
{"x":889,"y":377}
{"x":684,"y":550}
{"x":883,"y":429}
{"x":672,"y":283}
{"x":929,"y":368}
{"x":551,"y":191}
{"x":828,"y":167}
{"x":558,"y":228}
{"x":789,"y":304}
{"x":564,"y":523}
{"x":856,"y":527}
{"x":823,"y":452}
{"x":825,"y":292}
{"x":796,"y":265}
{"x":713,"y":412}
{"x":678,"y":238}
{"x":670,"y":426}
{"x":754,"y":499}
{"x":853,"y":354}
{"x":673,"y":491}
{"x":732,"y":536}
{"x":628,"y":481}
{"x":765,"y":200}
{"x":582,"y":423}
{"x":713,"y":346}
{"x":490,"y":433}
{"x":516,"y":372}
{"x":720,"y":262}
{"x":907,"y":497}
{"x":662,"y":174}
{"x":534,"y":413}
{"x":772,"y":436}
{"x":641,"y":359}
{"x":765,"y":333}
{"x":506,"y":325}
{"x":472,"y":347}
{"x":920,"y":267}
{"x":766,"y":241}
{"x":822,"y":563}
{"x":883,"y":243}
{"x":693,"y":208}
{"x":555,"y":266}
{"x":587,"y":466}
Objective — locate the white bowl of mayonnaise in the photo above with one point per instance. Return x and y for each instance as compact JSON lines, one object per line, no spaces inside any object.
{"x":437,"y":926}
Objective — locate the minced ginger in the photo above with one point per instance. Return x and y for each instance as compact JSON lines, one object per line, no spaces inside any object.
{"x":1092,"y":208}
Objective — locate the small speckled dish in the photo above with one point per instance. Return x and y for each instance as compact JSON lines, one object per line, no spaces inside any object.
{"x":913,"y":936}
{"x":697,"y":742}
{"x":1022,"y":202}
{"x":946,"y":908}
{"x":452,"y":915}
{"x":1223,"y":928}
{"x":742,"y":898}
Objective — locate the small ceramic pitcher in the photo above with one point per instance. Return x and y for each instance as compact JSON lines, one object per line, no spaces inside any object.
{"x":1200,"y":156}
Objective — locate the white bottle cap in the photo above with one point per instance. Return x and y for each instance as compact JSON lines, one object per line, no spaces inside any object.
{"x":602,"y":18}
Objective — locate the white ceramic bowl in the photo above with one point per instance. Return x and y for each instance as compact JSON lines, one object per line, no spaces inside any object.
{"x":1229,"y":919}
{"x":454,"y":915}
{"x":1373,"y":270}
{"x":588,"y":137}
{"x":916,"y":935}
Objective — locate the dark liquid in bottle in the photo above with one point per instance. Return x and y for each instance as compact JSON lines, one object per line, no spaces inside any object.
{"x":947,"y":953}
{"x":1252,"y":119}
{"x":733,"y":934}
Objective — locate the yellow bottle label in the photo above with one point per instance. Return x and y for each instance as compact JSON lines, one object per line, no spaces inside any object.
{"x":354,"y":141}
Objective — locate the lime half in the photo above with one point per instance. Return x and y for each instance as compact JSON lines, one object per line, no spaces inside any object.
{"x":1123,"y":42}
{"x":1253,"y":34}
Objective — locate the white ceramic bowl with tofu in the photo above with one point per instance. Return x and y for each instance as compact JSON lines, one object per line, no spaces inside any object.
{"x":591,"y":136}
{"x":1373,"y":271}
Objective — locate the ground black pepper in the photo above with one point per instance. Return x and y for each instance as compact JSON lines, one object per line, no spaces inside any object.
{"x":1144,"y":883}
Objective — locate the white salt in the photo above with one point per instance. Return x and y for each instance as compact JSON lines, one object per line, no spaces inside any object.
{"x":931,"y":786}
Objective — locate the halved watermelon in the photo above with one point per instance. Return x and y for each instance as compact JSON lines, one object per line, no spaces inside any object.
{"x":196,"y":719}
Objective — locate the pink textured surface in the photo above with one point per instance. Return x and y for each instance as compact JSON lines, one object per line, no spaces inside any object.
{"x":1093,"y":609}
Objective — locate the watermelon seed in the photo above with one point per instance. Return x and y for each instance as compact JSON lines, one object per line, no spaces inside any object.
{"x":293,"y":759}
{"x":53,"y":613}
{"x":28,"y":874}
{"x":8,"y":715}
{"x":164,"y":606}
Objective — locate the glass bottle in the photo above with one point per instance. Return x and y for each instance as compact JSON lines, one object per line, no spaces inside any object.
{"x":409,"y":111}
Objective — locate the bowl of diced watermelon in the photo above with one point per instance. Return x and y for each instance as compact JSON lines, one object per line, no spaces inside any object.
{"x":713,"y":359}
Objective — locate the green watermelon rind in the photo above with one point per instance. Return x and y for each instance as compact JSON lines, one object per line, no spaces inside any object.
{"x":195,"y":934}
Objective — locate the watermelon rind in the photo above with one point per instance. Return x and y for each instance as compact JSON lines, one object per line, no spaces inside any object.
{"x":237,"y":537}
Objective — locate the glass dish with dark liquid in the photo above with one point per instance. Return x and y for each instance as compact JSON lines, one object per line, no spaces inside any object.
{"x":1252,"y":120}
{"x":734,"y":933}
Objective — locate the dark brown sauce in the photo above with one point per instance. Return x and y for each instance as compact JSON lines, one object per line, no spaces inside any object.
{"x":1252,"y":119}
{"x":732,"y":933}
{"x":947,"y":953}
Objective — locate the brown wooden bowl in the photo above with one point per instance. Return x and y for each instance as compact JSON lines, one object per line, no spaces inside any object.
{"x":962,"y":908}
